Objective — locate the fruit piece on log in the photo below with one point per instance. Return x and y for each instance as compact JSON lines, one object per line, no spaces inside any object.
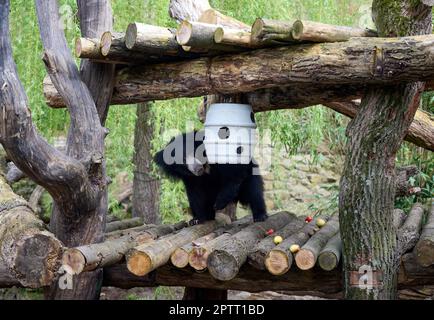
{"x":409,"y":233}
{"x":306,"y":258}
{"x":30,"y":253}
{"x":279,"y":259}
{"x":229,"y":255}
{"x":266,"y":31}
{"x":213,"y":16}
{"x":234,"y":37}
{"x":98,"y":255}
{"x":259,"y":253}
{"x":86,"y":48}
{"x":319,"y":32}
{"x":143,"y":259}
{"x":252,"y":280}
{"x":201,"y":35}
{"x":180,"y":257}
{"x":198,"y":256}
{"x":123,"y":224}
{"x":329,"y":257}
{"x":424,"y":250}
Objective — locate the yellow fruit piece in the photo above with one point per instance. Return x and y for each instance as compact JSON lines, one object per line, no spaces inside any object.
{"x":278,"y":239}
{"x":320,"y":222}
{"x":294,"y":248}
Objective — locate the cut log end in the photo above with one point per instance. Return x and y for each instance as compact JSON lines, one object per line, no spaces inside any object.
{"x":37,"y":260}
{"x":139,"y":263}
{"x":297,"y":30}
{"x":328,"y":261}
{"x":106,"y":42}
{"x":179,"y":258}
{"x":305,"y":259}
{"x":278,"y":262}
{"x":73,"y":261}
{"x":197,"y":258}
{"x":131,"y":36}
{"x":183,"y":34}
{"x":222,"y":266}
{"x":257,"y":28}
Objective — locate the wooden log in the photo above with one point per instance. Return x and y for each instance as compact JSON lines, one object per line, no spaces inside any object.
{"x":320,"y":32}
{"x":424,"y":250}
{"x":152,"y":39}
{"x":230,"y":254}
{"x":308,"y":254}
{"x":213,"y":16}
{"x":145,"y":258}
{"x":252,"y":280}
{"x":198,"y":256}
{"x":14,"y":174}
{"x":409,"y":233}
{"x":123,"y":224}
{"x":29,"y":252}
{"x":7,"y":280}
{"x":272,"y":31}
{"x":260,"y":252}
{"x":131,"y":231}
{"x":86,"y":48}
{"x":330,"y":255}
{"x":310,"y":64}
{"x":279,"y":260}
{"x":399,"y":217}
{"x":234,"y":37}
{"x":98,"y":255}
{"x":199,"y":35}
{"x":111,"y":218}
{"x":421,"y":130}
{"x":180,"y":257}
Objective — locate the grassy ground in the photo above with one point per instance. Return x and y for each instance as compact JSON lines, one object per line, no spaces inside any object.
{"x":295,"y":130}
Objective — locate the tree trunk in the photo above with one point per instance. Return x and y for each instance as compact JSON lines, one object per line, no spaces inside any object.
{"x":368,"y":181}
{"x":146,"y":188}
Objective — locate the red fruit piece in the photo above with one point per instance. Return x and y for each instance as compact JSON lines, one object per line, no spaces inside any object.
{"x":308,"y":219}
{"x":270,"y":232}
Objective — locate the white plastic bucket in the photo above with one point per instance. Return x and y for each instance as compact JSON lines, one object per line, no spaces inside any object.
{"x":230,"y":133}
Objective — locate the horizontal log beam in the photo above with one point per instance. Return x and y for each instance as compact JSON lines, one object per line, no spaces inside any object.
{"x":315,"y":282}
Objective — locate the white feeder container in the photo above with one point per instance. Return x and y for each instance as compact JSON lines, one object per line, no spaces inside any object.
{"x":230,"y":133}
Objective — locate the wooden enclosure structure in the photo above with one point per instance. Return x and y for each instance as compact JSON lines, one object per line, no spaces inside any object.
{"x":271,"y":65}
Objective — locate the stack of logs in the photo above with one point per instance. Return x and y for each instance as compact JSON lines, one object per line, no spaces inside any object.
{"x":145,"y":44}
{"x":223,"y":249}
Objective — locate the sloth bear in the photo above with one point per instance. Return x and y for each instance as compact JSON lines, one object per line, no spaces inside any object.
{"x":211,"y":187}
